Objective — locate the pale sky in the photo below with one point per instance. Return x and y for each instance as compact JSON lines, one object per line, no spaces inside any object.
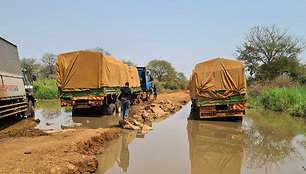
{"x":182,"y":32}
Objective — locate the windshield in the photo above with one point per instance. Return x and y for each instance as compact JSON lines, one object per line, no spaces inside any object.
{"x":26,"y":78}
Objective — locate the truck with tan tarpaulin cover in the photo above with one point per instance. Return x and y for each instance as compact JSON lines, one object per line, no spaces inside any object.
{"x":88,"y":79}
{"x":16,"y":91}
{"x":217,"y":89}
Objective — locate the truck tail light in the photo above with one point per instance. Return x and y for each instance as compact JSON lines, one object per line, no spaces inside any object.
{"x":238,"y":107}
{"x":64,"y":104}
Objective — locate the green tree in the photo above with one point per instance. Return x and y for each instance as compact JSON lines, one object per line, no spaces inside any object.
{"x":159,"y":69}
{"x":30,"y":65}
{"x":99,"y":49}
{"x":49,"y":61}
{"x":270,"y":51}
{"x":130,"y":63}
{"x":181,"y":76}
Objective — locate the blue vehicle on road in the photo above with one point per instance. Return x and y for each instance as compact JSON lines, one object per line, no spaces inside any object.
{"x":145,"y":81}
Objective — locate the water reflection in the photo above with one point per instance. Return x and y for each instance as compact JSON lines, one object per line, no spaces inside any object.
{"x":215,"y":147}
{"x":117,"y":151}
{"x":50,"y":119}
{"x":52,"y":116}
{"x":274,"y":142}
{"x":94,"y":122}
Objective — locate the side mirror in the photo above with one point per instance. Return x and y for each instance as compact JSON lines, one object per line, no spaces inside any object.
{"x":34,"y":78}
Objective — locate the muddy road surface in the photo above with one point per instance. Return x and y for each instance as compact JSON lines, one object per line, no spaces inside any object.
{"x":57,"y":142}
{"x":264,"y":142}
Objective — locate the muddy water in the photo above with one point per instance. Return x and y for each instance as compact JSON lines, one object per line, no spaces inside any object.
{"x":52,"y":116}
{"x":264,"y":142}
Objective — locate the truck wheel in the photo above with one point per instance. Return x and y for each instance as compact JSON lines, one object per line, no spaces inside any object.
{"x":194,"y":113}
{"x":75,"y":112}
{"x":138,"y":99}
{"x":31,"y":108}
{"x":239,"y":118}
{"x":118,"y":107}
{"x":111,"y":110}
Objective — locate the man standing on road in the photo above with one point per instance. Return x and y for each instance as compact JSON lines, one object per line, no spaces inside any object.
{"x":155,"y":92}
{"x":125,"y":97}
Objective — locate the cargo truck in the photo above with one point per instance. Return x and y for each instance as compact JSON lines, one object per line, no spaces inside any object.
{"x":146,"y":80}
{"x":87,"y":79}
{"x":217,"y":89}
{"x":16,"y":91}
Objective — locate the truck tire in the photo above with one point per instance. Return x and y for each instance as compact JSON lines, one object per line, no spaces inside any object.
{"x":31,"y":108}
{"x":238,"y":118}
{"x":118,"y":107}
{"x":111,"y":109}
{"x":75,"y":112}
{"x":195,"y":112}
{"x":138,"y":100}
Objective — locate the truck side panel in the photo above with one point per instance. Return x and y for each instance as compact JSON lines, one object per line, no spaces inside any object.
{"x":9,"y":59}
{"x":11,"y":87}
{"x":13,"y":96}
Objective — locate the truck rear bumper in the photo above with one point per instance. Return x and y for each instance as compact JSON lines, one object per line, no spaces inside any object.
{"x":82,"y":102}
{"x":13,"y":107}
{"x":226,"y":111}
{"x":202,"y":115}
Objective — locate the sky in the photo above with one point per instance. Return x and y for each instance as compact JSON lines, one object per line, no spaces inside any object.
{"x":183,"y":33}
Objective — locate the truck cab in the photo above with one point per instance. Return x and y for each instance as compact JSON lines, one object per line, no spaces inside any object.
{"x":145,"y":80}
{"x":16,"y":91}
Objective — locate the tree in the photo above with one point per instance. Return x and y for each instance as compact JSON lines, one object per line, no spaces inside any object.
{"x":49,"y":61}
{"x":130,"y":63}
{"x":30,"y":65}
{"x":159,"y":69}
{"x":99,"y":49}
{"x":181,"y":76}
{"x":270,"y":51}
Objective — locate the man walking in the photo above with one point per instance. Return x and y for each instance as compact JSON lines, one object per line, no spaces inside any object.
{"x":155,"y":92}
{"x":125,"y":97}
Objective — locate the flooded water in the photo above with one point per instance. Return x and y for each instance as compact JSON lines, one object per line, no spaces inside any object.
{"x":52,"y":116}
{"x":264,"y":142}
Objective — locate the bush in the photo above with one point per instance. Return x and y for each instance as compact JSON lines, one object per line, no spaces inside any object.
{"x":167,"y":86}
{"x":255,"y":88}
{"x":45,"y":89}
{"x":291,"y":100}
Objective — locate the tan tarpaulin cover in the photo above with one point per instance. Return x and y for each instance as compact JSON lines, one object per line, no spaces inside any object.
{"x":217,"y":74}
{"x":84,"y":70}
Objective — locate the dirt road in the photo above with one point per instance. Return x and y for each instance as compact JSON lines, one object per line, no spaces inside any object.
{"x":67,"y":151}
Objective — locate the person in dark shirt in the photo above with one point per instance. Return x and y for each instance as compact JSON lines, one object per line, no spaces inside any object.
{"x":125,"y":98}
{"x":155,"y":92}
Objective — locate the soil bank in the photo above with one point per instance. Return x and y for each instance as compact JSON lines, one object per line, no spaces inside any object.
{"x":67,"y":151}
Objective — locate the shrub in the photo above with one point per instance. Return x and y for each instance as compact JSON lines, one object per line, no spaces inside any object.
{"x":255,"y":88}
{"x":291,"y":100}
{"x":45,"y":89}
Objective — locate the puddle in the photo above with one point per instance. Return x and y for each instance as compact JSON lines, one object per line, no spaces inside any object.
{"x":52,"y":116}
{"x":264,"y":142}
